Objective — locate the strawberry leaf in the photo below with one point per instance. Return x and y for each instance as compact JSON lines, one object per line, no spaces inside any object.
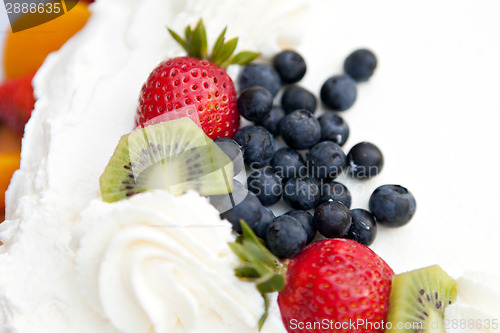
{"x":178,"y":39}
{"x":244,"y":58}
{"x":226,"y":51}
{"x":218,"y":44}
{"x":270,"y":283}
{"x":238,"y":249}
{"x":195,"y":44}
{"x":262,"y":319}
{"x":199,"y":41}
{"x":239,"y":239}
{"x":259,"y":253}
{"x":261,"y":268}
{"x":246,"y":271}
{"x":258,"y":265}
{"x":203,"y":40}
{"x":187,"y":32}
{"x":247,"y":232}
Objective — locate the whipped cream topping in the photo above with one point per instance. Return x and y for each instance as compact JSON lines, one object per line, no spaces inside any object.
{"x":87,"y":94}
{"x":477,"y":308}
{"x":161,"y":263}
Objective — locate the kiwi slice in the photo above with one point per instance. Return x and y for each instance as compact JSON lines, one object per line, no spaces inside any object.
{"x":418,"y":300}
{"x":175,"y":155}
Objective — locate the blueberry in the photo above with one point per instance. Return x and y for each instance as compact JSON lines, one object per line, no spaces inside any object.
{"x":286,"y":237}
{"x":332,"y":219}
{"x":363,"y":227}
{"x":287,"y":163}
{"x":306,"y":219}
{"x":258,"y":145}
{"x":290,"y":66}
{"x":364,"y":160}
{"x":254,"y":103}
{"x":334,"y":191}
{"x":392,"y":205}
{"x":272,"y":120}
{"x":339,"y":92}
{"x":333,"y":128}
{"x":326,"y":160}
{"x":260,"y":229}
{"x":296,"y":98}
{"x":249,"y":210}
{"x":266,"y":186}
{"x":233,"y":151}
{"x":229,"y":146}
{"x":301,"y":193}
{"x":260,"y":75}
{"x":360,"y":65}
{"x":300,"y":130}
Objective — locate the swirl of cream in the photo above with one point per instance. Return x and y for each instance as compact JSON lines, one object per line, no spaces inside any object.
{"x":159,"y":263}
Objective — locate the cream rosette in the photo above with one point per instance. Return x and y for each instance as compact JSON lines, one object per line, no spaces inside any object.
{"x":159,"y":263}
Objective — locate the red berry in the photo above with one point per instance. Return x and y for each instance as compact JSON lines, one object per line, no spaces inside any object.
{"x":336,"y":285}
{"x":16,"y":102}
{"x":188,"y":81}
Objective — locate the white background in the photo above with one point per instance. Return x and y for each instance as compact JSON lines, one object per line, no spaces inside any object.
{"x":433,"y":108}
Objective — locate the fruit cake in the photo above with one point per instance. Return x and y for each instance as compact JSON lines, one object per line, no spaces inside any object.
{"x":134,"y":210}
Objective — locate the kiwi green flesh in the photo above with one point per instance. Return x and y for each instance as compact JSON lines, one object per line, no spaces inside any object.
{"x":175,"y":155}
{"x":419,"y":298}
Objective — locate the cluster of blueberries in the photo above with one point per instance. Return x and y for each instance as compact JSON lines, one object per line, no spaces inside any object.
{"x":307,"y":183}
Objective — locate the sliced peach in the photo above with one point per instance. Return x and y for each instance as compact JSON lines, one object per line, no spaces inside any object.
{"x":10,"y":145}
{"x":9,"y":140}
{"x":26,"y":50}
{"x":9,"y":162}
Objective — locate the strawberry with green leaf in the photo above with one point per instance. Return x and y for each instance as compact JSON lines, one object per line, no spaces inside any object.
{"x":331,"y":282}
{"x":199,"y":81}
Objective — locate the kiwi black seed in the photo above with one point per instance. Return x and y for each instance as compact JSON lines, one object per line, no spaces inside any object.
{"x":418,"y":300}
{"x":175,"y":155}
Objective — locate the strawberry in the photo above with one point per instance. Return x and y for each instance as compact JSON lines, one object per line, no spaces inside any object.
{"x":339,"y":280}
{"x":333,"y":285}
{"x":198,"y":81}
{"x":16,"y":102}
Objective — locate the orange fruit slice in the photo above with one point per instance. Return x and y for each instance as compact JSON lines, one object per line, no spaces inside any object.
{"x":26,"y":50}
{"x":9,"y":162}
{"x":10,"y":141}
